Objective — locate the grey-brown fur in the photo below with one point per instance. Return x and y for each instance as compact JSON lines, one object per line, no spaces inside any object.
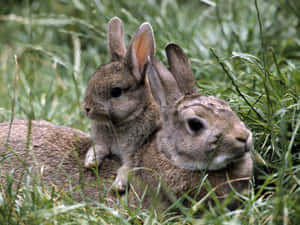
{"x":198,"y":132}
{"x":54,"y":153}
{"x":59,"y":152}
{"x":119,"y":102}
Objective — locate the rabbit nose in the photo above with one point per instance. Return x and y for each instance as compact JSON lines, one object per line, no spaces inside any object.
{"x":244,"y":139}
{"x":242,"y":136}
{"x":241,"y":139}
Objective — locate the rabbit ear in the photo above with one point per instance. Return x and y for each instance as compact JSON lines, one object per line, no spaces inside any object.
{"x":141,"y":47}
{"x":163,"y":86}
{"x":116,"y":42}
{"x":181,"y":69}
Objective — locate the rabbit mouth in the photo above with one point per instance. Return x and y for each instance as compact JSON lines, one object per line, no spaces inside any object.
{"x":99,"y":117}
{"x":222,"y":161}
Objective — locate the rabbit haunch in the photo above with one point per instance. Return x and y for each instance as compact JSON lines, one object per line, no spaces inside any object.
{"x":119,"y":102}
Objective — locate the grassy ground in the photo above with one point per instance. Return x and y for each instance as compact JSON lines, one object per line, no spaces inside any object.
{"x":246,"y":52}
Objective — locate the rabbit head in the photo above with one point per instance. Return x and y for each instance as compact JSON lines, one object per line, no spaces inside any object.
{"x":198,"y":132}
{"x":116,"y":90}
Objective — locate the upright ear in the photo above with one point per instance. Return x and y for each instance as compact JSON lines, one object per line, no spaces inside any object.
{"x":142,"y":46}
{"x":116,"y":42}
{"x":163,"y":86}
{"x":181,"y":69}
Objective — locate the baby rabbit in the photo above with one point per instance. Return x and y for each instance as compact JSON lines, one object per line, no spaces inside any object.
{"x":119,"y":102}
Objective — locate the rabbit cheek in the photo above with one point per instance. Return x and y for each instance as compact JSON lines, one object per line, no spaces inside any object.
{"x":191,"y":146}
{"x":123,"y":107}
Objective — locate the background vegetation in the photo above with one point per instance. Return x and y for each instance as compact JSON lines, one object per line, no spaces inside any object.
{"x":246,"y":52}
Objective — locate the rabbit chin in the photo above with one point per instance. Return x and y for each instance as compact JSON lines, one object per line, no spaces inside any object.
{"x":223,"y":160}
{"x":217,"y":163}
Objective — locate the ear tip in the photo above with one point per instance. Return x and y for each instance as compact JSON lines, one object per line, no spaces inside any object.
{"x":115,"y":20}
{"x":173,"y":46}
{"x":146,"y":27}
{"x":147,"y":24}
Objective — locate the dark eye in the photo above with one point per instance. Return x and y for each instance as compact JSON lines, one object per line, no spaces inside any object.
{"x":195,"y":124}
{"x":115,"y":92}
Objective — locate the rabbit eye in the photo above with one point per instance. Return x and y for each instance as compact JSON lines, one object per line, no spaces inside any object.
{"x":195,"y":124}
{"x":116,"y":92}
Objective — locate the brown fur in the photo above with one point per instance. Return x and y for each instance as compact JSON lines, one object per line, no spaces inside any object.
{"x":59,"y":152}
{"x":119,"y":102}
{"x":56,"y":154}
{"x":198,"y":132}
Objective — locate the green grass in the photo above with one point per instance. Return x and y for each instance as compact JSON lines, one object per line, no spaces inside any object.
{"x":246,"y":52}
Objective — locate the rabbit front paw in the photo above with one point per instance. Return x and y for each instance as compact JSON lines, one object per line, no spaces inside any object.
{"x":94,"y":156}
{"x":91,"y":160}
{"x":121,"y":180}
